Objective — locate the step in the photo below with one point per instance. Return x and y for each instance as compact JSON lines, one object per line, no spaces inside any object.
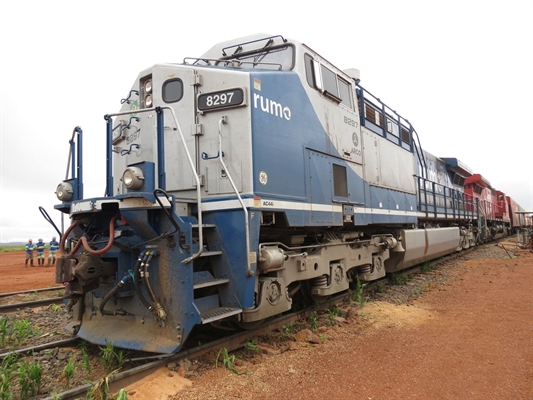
{"x":214,"y":314}
{"x":203,"y":279}
{"x":209,"y":226}
{"x":210,"y":253}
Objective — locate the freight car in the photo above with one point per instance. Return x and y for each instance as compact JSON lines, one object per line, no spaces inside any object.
{"x":240,"y":179}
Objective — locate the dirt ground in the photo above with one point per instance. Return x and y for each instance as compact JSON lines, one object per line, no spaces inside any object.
{"x":468,"y":338}
{"x":15,"y":277}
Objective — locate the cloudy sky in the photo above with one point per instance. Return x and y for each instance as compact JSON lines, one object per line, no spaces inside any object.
{"x":460,"y":71}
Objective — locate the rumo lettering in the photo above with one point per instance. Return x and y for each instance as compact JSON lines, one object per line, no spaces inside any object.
{"x":271,"y":107}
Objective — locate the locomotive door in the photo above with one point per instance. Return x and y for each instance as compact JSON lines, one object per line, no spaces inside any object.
{"x":172,"y":85}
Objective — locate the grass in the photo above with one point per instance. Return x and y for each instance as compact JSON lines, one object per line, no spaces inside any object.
{"x":26,"y":375}
{"x":333,"y":313}
{"x":357,"y":293}
{"x":426,"y":267}
{"x":111,"y":358}
{"x":100,"y":390}
{"x":289,"y":329}
{"x":54,"y":307}
{"x":226,"y":359}
{"x":398,"y":279}
{"x":14,"y":331}
{"x":12,"y":248}
{"x":68,"y":371}
{"x":380,"y":287}
{"x":419,"y":290}
{"x":251,"y":346}
{"x":313,"y":321}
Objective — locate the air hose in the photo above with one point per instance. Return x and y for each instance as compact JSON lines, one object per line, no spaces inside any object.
{"x":136,"y":276}
{"x":83,"y":240}
{"x":159,"y":311}
{"x":111,"y":293}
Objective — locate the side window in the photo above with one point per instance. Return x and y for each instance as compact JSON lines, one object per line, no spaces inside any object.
{"x":326,"y":81}
{"x":329,"y":80}
{"x":309,"y":70}
{"x":172,"y":90}
{"x":344,"y":93}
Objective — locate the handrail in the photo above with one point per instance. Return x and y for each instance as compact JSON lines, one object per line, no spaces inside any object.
{"x":191,"y":164}
{"x":457,"y":199}
{"x":252,"y":41}
{"x":224,"y":120}
{"x":229,"y":61}
{"x":416,"y":144}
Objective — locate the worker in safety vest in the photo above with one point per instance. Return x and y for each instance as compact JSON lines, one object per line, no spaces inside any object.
{"x":52,"y":252}
{"x":40,"y":252}
{"x":30,"y":248}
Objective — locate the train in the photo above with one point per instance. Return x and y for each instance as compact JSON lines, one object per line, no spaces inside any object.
{"x":246,"y":178}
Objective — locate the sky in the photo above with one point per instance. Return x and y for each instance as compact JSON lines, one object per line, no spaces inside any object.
{"x":460,"y":71}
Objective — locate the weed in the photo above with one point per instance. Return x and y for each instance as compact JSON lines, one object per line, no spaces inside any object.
{"x":380,"y":287}
{"x":107,"y":356}
{"x":120,"y":357}
{"x":357,"y":294}
{"x":121,"y":395}
{"x":227,"y":360}
{"x":5,"y":330}
{"x":30,"y":296}
{"x":426,"y":267}
{"x":288,"y":329}
{"x":54,"y":307}
{"x":333,"y":312}
{"x":8,"y":362}
{"x":35,"y":373}
{"x":313,"y":321}
{"x":86,"y":361}
{"x":251,"y":346}
{"x":110,"y":358}
{"x":68,"y":371}
{"x":419,"y":290}
{"x":6,"y":371}
{"x":100,"y":390}
{"x":24,"y":380}
{"x":398,"y":279}
{"x":322,"y":337}
{"x":22,"y":329}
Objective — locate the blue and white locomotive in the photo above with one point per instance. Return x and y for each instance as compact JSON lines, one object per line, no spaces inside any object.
{"x":239,"y":179}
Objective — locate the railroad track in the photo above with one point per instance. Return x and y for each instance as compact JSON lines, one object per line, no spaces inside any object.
{"x":23,"y":292}
{"x":15,"y":305}
{"x":238,"y":340}
{"x":231,"y":343}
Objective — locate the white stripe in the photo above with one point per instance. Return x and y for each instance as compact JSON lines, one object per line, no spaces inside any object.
{"x":267,"y":204}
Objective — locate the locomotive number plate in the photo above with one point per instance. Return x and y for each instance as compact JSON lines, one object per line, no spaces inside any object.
{"x":222,"y":99}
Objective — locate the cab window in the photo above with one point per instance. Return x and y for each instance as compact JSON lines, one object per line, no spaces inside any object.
{"x":327,"y":82}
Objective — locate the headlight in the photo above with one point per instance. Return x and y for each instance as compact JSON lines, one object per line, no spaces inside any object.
{"x":64,"y":191}
{"x":148,"y":101}
{"x":148,"y":87}
{"x":133,"y":178}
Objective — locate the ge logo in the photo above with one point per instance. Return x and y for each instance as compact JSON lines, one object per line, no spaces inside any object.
{"x":355,"y":139}
{"x":263,"y":178}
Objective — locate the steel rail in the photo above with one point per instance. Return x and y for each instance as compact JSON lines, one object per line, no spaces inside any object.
{"x":31,"y":291}
{"x":8,"y":308}
{"x":40,"y":347}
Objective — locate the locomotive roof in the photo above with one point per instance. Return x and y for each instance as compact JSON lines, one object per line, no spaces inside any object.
{"x":479,"y":180}
{"x":457,"y":166}
{"x":243,"y":44}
